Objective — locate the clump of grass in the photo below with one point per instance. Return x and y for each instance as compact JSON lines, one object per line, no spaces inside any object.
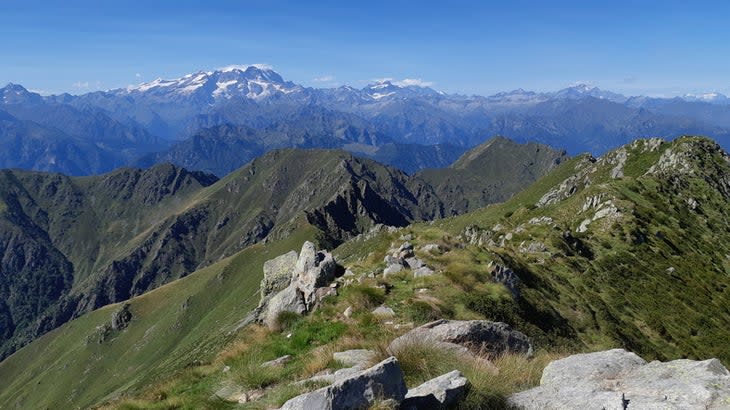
{"x":489,"y":390}
{"x":286,"y":320}
{"x":254,"y":335}
{"x":421,"y":311}
{"x":248,"y":372}
{"x":320,"y":359}
{"x":364,"y":297}
{"x":491,"y":381}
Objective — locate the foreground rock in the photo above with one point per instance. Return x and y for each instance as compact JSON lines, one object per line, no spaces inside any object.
{"x":441,"y":392}
{"x":474,"y":336}
{"x":604,"y":380}
{"x":384,"y":381}
{"x":295,"y":284}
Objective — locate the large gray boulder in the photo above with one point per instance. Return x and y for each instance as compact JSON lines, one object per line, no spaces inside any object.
{"x":384,"y":381}
{"x":604,"y":380}
{"x":442,"y":392}
{"x":475,"y":336}
{"x":288,"y":300}
{"x":314,"y":269}
{"x":278,"y":273}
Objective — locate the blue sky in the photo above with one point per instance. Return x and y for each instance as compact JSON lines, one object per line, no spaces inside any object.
{"x":472,"y":47}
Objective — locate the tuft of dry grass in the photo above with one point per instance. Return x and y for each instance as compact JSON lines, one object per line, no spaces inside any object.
{"x":254,"y":335}
{"x":491,"y":381}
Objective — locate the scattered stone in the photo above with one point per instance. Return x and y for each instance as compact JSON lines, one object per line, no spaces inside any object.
{"x":348,"y":312}
{"x":383,"y":311}
{"x":475,"y":336}
{"x":390,"y":269}
{"x":583,"y":227}
{"x":278,"y":273}
{"x":431,"y":247}
{"x":226,"y":369}
{"x":349,"y":272}
{"x":508,"y":278}
{"x":383,"y":381}
{"x":229,"y":393}
{"x":406,"y":237}
{"x":619,"y":158}
{"x":546,"y":220}
{"x":355,"y":357}
{"x":281,"y":361}
{"x":532,"y":247}
{"x":422,"y":272}
{"x":441,"y":392}
{"x":250,"y":396}
{"x":604,"y":379}
{"x":321,"y":293}
{"x":121,"y":317}
{"x":414,"y":263}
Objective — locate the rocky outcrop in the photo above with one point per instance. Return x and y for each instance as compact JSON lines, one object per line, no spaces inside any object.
{"x":438,"y":393}
{"x":617,"y":379}
{"x":121,"y":317}
{"x":305,"y":281}
{"x":468,"y":336}
{"x":404,"y":258}
{"x":384,"y":381}
{"x":277,"y":273}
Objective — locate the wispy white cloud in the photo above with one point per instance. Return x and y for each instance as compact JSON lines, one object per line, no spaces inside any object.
{"x":583,"y":83}
{"x":406,"y":82}
{"x":245,"y":66}
{"x":138,"y":75}
{"x":81,"y":84}
{"x":325,"y":79}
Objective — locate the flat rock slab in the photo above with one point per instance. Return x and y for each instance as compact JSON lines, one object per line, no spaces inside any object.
{"x":440,"y":392}
{"x":278,"y":362}
{"x":383,"y":381}
{"x":354,"y":357}
{"x":476,"y":336}
{"x":383,"y":311}
{"x":601,"y":381}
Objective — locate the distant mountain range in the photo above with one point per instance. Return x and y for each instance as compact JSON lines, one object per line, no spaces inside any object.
{"x":217,"y":121}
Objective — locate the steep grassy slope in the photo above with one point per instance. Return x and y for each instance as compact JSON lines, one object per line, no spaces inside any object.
{"x":491,"y":172}
{"x":177,"y":325}
{"x":634,"y":253}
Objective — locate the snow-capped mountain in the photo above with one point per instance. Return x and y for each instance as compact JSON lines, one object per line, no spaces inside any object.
{"x":518,"y":97}
{"x":713,"y":98}
{"x":582,"y":90}
{"x":17,"y":94}
{"x":385,"y":89}
{"x":252,"y":82}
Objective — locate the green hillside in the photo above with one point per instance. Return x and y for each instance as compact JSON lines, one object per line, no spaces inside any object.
{"x":175,"y":326}
{"x":491,"y":172}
